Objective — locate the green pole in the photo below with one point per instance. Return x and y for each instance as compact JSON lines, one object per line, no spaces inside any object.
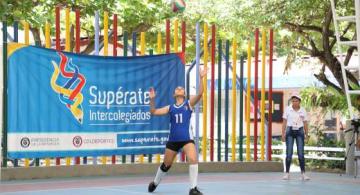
{"x":37,"y":160}
{"x":4,"y":129}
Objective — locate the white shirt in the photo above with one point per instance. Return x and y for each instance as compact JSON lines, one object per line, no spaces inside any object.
{"x":295,"y":119}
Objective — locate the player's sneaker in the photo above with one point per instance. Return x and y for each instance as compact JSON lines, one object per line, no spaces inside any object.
{"x":195,"y":191}
{"x":152,"y":187}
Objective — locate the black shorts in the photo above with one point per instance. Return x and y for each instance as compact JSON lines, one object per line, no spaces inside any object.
{"x":176,"y":146}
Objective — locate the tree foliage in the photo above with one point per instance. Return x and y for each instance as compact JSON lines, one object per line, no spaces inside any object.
{"x":303,"y":27}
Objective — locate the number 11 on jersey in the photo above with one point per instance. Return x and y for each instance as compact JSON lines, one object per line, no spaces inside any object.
{"x":178,"y":118}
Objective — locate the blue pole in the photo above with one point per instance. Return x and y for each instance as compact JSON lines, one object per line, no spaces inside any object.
{"x":219,"y":99}
{"x":134,"y":54}
{"x":16,"y":30}
{"x":197,"y":84}
{"x":97,"y":30}
{"x":227,"y":99}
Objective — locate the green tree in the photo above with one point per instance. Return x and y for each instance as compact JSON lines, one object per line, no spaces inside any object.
{"x":136,"y":15}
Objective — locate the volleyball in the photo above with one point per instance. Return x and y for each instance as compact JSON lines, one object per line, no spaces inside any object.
{"x":178,"y":5}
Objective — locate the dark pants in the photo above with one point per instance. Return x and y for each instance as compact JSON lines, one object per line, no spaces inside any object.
{"x":297,"y":135}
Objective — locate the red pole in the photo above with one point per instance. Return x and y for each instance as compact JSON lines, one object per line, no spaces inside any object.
{"x":113,"y":157}
{"x":77,"y":33}
{"x":183,"y":38}
{"x":77,"y":50}
{"x":183,"y":50}
{"x":115,"y":35}
{"x":58,"y":47}
{"x":57,"y":27}
{"x":213,"y":45}
{"x":167,"y":36}
{"x":256,"y":93}
{"x":270,"y":95}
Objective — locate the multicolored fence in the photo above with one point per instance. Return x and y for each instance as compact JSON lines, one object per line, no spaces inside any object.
{"x":61,"y":79}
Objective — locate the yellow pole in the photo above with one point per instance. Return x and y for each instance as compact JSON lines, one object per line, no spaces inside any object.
{"x":206,"y":53}
{"x":263,"y":94}
{"x":67,"y":48}
{"x":233,"y":134}
{"x":47,"y":45}
{"x":176,"y":36}
{"x":248,"y":94}
{"x":158,"y":51}
{"x":47,"y":35}
{"x":26,"y":29}
{"x":106,"y":52}
{"x":67,"y":30}
{"x":106,"y":36}
{"x":142,"y":52}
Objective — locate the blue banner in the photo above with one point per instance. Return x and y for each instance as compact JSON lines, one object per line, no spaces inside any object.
{"x":66,"y":104}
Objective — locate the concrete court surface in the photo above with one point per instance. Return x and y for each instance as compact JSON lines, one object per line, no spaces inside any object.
{"x":176,"y":184}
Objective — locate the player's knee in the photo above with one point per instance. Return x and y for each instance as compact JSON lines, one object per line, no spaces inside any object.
{"x":165,"y":168}
{"x":192,"y":160}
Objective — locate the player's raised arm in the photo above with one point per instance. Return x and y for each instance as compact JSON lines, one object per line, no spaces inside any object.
{"x":160,"y":111}
{"x":195,"y":98}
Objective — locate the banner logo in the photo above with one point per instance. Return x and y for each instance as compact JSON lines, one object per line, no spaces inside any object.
{"x":25,"y":142}
{"x":69,"y":93}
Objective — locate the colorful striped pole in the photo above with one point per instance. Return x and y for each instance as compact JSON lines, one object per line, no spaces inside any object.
{"x":58,"y":48}
{"x":197,"y":107}
{"x":219,"y":101}
{"x":77,"y":34}
{"x":183,"y":39}
{"x":67,"y":49}
{"x":167,"y":36}
{"x":115,"y":35}
{"x":26,"y":31}
{"x":113,"y":157}
{"x":151,"y":52}
{"x":97,"y":33}
{"x":133,"y":54}
{"x":47,"y":35}
{"x":37,"y":160}
{"x":97,"y":49}
{"x":176,"y":36}
{"x":67,"y":36}
{"x":47,"y":45}
{"x":256,"y":93}
{"x":57,"y":30}
{"x":4,"y":108}
{"x":263,"y":47}
{"x":26,"y":39}
{"x":142,"y":53}
{"x":158,"y":51}
{"x":183,"y":49}
{"x":271,"y":45}
{"x":77,"y":50}
{"x":126,"y":47}
{"x":204,"y":132}
{"x":16,"y":39}
{"x":233,"y":89}
{"x":213,"y":45}
{"x":106,"y":33}
{"x":241,"y":117}
{"x":16,"y":31}
{"x":227,"y":56}
{"x":248,"y":95}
